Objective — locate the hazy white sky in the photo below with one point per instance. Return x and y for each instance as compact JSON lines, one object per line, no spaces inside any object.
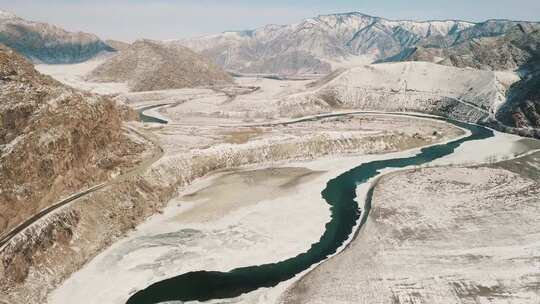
{"x":169,"y":19}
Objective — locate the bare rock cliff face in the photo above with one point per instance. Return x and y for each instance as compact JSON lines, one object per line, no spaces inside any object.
{"x":148,"y":65}
{"x":54,"y":140}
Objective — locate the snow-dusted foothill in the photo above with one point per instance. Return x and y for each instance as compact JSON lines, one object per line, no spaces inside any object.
{"x":147,"y":65}
{"x":466,"y":94}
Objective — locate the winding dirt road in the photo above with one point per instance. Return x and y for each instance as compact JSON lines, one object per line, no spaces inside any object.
{"x":145,"y":164}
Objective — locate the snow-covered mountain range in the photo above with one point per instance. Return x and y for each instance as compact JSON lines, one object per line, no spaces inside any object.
{"x":42,"y":42}
{"x":315,"y":45}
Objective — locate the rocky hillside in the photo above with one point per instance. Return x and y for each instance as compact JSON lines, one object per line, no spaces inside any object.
{"x":149,"y":65}
{"x":516,"y":49}
{"x":42,"y":42}
{"x":54,"y":140}
{"x":521,"y":113}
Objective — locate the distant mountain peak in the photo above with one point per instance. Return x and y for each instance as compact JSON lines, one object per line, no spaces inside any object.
{"x":7,"y":15}
{"x":348,"y":14}
{"x":43,"y":42}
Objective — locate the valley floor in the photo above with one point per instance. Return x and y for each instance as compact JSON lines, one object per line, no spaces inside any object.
{"x":243,"y":217}
{"x":239,"y":184}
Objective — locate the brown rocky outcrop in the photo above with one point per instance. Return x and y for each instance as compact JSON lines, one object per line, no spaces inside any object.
{"x":54,"y":140}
